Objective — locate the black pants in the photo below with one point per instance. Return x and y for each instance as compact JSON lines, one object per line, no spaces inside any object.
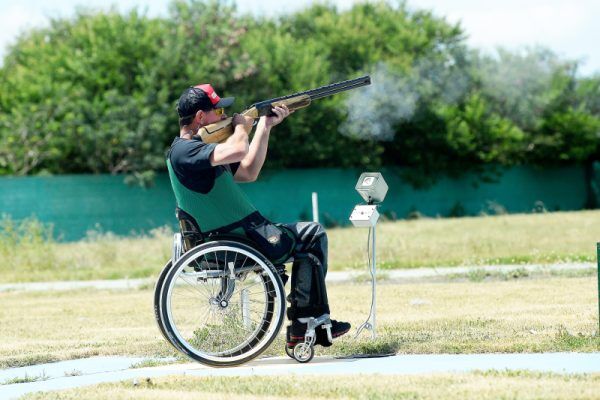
{"x":308,"y":294}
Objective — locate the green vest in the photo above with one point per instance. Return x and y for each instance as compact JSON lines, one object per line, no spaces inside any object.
{"x":223,"y":205}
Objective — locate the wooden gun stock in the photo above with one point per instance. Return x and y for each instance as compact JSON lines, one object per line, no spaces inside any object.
{"x":220,"y":131}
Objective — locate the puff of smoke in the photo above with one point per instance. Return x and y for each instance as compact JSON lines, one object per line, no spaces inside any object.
{"x":519,"y":82}
{"x":440,"y":78}
{"x":519,"y":85}
{"x":392,"y":98}
{"x":374,"y":110}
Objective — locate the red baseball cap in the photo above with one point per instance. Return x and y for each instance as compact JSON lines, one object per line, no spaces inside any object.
{"x":200,"y":97}
{"x":214,"y":98}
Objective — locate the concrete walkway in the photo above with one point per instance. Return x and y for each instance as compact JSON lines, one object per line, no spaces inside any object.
{"x":77,"y":373}
{"x":407,"y":275}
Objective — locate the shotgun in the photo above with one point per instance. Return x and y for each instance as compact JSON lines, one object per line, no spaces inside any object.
{"x":220,"y":131}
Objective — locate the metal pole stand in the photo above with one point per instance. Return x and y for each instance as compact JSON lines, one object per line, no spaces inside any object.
{"x":372,"y":188}
{"x":369,"y":324}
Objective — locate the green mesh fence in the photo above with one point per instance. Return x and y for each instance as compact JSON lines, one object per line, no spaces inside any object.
{"x":76,"y":204}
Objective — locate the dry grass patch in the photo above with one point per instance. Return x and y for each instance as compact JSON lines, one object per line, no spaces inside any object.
{"x":478,"y":385}
{"x":507,"y":239}
{"x":26,"y":254}
{"x":107,"y":257}
{"x":534,"y":315}
{"x":51,"y":326}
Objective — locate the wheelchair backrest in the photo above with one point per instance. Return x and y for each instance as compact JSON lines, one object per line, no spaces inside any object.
{"x":192,"y":235}
{"x":189,"y":228}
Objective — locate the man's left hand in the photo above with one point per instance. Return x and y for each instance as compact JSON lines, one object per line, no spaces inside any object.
{"x":280,"y":114}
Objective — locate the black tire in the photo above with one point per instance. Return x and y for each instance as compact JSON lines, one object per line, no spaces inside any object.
{"x":179,"y":282}
{"x":157,"y":314}
{"x":303,"y":352}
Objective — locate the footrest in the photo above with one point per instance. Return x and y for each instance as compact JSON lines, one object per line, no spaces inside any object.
{"x":312,"y":324}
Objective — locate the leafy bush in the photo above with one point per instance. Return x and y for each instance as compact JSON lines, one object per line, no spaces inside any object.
{"x":96,"y":92}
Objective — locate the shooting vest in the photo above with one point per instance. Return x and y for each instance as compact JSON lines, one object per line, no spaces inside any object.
{"x":224,"y":205}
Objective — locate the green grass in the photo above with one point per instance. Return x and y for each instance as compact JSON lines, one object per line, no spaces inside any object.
{"x":522,"y":315}
{"x":27,"y":252}
{"x":477,"y":385}
{"x":480,"y":274}
{"x":507,"y":239}
{"x":25,"y":379}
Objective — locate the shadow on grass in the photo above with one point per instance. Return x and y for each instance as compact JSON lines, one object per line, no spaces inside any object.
{"x":454,"y":337}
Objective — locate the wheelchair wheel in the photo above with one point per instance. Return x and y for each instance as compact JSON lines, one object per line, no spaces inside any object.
{"x":157,"y":314}
{"x":222,"y":303}
{"x":303,"y":352}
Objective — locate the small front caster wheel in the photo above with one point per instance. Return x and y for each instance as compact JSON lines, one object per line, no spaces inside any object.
{"x":303,"y":352}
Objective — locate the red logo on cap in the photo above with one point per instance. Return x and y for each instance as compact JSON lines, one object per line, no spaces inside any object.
{"x":210,"y":92}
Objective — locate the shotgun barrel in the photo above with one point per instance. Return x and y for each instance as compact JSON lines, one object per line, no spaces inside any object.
{"x":264,"y":107}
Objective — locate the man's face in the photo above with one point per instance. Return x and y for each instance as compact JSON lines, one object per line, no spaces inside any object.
{"x":212,"y":116}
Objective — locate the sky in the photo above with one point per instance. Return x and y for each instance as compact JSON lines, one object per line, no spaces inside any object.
{"x":569,"y":28}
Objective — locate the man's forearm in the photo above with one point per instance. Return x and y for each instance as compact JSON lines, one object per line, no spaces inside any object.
{"x":255,"y":159}
{"x":239,"y":137}
{"x":234,"y":149}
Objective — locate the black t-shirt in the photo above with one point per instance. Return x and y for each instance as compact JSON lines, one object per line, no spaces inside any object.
{"x":190,"y":160}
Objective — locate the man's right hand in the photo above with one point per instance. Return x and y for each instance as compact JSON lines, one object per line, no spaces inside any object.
{"x":246,"y":122}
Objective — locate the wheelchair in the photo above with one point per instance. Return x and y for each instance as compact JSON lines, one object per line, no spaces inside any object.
{"x":221,"y":302}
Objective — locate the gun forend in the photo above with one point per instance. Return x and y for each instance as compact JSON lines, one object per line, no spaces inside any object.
{"x":293,"y":103}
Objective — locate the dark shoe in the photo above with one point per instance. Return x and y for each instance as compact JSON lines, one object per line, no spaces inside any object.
{"x":297,"y":330}
{"x":338,"y":328}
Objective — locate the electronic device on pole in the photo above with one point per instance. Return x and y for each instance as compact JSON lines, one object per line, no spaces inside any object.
{"x":372,"y":188}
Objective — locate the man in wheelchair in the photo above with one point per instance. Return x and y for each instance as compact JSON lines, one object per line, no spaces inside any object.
{"x":204,"y":177}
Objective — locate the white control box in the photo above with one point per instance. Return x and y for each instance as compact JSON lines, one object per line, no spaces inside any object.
{"x":364,"y":215}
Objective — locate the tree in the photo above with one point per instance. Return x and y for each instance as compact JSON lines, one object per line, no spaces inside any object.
{"x":74,"y":99}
